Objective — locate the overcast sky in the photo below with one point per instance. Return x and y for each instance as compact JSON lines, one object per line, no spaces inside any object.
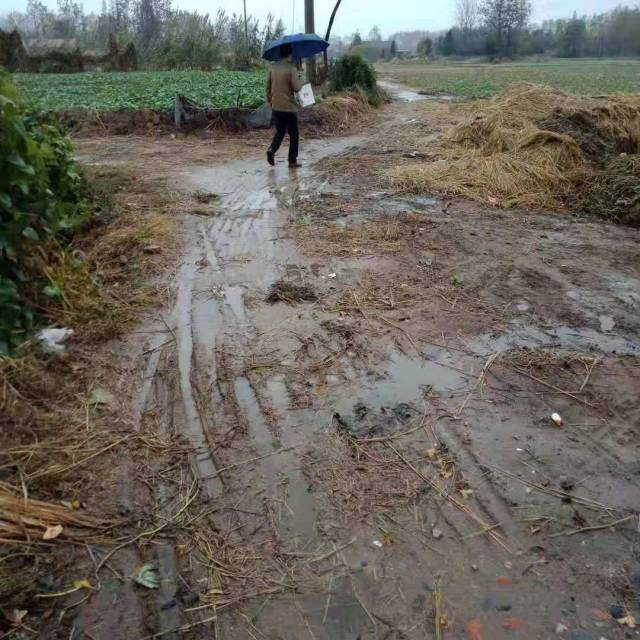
{"x":397,"y":15}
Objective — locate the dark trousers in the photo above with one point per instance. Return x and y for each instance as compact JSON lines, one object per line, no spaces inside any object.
{"x":286,"y":122}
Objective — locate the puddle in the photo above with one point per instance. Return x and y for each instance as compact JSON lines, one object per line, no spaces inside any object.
{"x":234,"y":298}
{"x":405,"y":380}
{"x":258,"y":428}
{"x":568,"y":338}
{"x":626,"y":289}
{"x":376,"y":397}
{"x":606,"y":323}
{"x":425,"y":201}
{"x":193,"y":423}
{"x":403,"y":94}
{"x":281,"y":467}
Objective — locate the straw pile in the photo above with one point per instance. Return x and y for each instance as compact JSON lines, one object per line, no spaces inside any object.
{"x":531,"y":146}
{"x":336,"y":113}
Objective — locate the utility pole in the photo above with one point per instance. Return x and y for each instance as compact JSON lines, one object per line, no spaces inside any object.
{"x":310,"y":27}
{"x":246,"y":35}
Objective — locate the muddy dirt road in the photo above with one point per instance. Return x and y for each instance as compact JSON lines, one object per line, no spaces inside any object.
{"x":366,"y":381}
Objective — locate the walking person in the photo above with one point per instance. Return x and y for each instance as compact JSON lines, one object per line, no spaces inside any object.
{"x":284,"y":81}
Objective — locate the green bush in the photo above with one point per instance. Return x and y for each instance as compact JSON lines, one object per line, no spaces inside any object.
{"x":42,"y":198}
{"x":353,"y":72}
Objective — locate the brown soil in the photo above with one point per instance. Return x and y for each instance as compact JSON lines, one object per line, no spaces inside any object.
{"x":380,"y":462}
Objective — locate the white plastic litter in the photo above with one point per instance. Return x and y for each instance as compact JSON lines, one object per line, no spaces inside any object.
{"x":557,"y":419}
{"x":377,"y":543}
{"x":305,"y":96}
{"x":52,"y":339}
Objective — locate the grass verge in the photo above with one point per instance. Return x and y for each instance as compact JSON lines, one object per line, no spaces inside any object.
{"x":54,"y":435}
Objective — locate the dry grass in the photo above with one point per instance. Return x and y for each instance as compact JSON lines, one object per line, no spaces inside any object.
{"x":104,"y":276}
{"x":53,"y":442}
{"x":358,"y":480}
{"x":22,"y":518}
{"x":373,"y":295}
{"x":337,"y":113}
{"x":377,"y":476}
{"x":531,"y":146}
{"x":385,"y":235}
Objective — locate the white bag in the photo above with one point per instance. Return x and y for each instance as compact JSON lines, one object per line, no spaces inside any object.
{"x":305,"y":96}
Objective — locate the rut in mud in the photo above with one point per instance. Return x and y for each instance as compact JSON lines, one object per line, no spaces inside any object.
{"x":380,"y":462}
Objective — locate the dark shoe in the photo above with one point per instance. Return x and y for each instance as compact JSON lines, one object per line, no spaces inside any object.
{"x":294,"y":165}
{"x":270,"y":158}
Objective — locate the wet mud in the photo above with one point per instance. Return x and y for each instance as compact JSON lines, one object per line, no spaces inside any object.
{"x":385,"y":447}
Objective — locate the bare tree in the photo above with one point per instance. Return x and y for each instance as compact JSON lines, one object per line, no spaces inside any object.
{"x":467,"y":14}
{"x":374,"y":34}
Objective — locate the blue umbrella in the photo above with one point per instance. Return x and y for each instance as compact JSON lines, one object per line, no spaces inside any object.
{"x":304,"y":45}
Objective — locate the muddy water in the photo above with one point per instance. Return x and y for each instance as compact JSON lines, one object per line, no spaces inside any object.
{"x":235,"y":392}
{"x":402,"y":94}
{"x":232,"y":258}
{"x":235,"y":255}
{"x":253,"y":421}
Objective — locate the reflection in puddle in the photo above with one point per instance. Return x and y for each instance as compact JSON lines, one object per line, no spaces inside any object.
{"x":402,"y":94}
{"x":406,"y":379}
{"x":607,"y":323}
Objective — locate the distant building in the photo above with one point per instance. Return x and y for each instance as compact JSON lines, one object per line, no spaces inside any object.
{"x":376,"y":50}
{"x":46,"y":46}
{"x":59,"y":55}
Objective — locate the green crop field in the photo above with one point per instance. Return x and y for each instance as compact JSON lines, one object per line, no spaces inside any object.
{"x":140,"y":89}
{"x":478,"y":80}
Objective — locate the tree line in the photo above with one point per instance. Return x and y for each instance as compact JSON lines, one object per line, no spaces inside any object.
{"x":164,"y":37}
{"x":502,"y":28}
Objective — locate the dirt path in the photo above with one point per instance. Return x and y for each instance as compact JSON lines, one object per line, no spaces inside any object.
{"x":379,"y":461}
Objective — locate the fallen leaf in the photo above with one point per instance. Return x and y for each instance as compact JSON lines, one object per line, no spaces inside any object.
{"x":513,"y":624}
{"x":628,"y":621}
{"x":17,"y":616}
{"x":52,"y":533}
{"x":599,"y":614}
{"x":147,"y":576}
{"x":504,"y":581}
{"x":432,"y":454}
{"x":474,"y":629}
{"x":466,"y":493}
{"x":75,"y":504}
{"x":387,"y":538}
